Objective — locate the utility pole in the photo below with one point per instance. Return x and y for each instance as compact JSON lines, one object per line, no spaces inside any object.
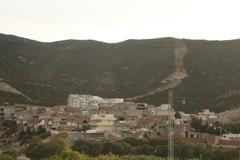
{"x":170,"y":126}
{"x":239,"y":154}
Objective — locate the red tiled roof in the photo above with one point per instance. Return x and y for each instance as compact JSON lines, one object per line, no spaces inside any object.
{"x":229,"y":142}
{"x":145,"y":121}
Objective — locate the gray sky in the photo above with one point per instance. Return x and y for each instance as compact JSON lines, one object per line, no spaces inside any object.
{"x":117,"y":20}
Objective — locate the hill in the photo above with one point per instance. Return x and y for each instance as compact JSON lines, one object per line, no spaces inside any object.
{"x":213,"y":82}
{"x":144,"y":69}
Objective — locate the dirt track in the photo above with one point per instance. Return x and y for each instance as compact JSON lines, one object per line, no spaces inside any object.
{"x":175,"y":78}
{"x":7,"y":88}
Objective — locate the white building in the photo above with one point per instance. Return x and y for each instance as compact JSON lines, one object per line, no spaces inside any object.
{"x":206,"y":115}
{"x":83,"y":102}
{"x":163,"y":110}
{"x":165,"y":107}
{"x":112,"y":101}
{"x":6,"y":112}
{"x":102,"y":122}
{"x":185,"y":116}
{"x":88,"y":102}
{"x":231,"y":136}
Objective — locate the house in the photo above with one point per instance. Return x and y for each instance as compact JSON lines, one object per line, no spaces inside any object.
{"x":231,"y":144}
{"x":26,"y":117}
{"x":182,"y":130}
{"x":102,"y":122}
{"x":6,"y":112}
{"x":126,"y":109}
{"x":126,"y":124}
{"x":231,"y":136}
{"x":163,"y":110}
{"x":200,"y":139}
{"x":185,"y":117}
{"x":207,"y":116}
{"x":145,"y":122}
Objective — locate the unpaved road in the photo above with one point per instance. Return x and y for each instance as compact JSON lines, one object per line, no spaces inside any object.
{"x":7,"y":88}
{"x":175,"y":78}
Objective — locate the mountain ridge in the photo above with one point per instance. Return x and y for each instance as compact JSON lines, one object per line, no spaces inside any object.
{"x":137,"y":39}
{"x":48,"y":71}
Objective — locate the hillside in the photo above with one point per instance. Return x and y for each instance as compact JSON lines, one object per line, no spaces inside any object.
{"x":48,"y":72}
{"x":213,"y":82}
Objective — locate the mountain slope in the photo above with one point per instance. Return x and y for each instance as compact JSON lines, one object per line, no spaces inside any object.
{"x":48,"y":72}
{"x":206,"y":73}
{"x":175,"y":78}
{"x":213,"y":69}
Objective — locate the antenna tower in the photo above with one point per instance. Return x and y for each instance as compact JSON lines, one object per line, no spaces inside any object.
{"x":170,"y":126}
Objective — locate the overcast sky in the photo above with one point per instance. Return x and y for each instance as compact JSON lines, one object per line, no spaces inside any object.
{"x":117,"y":20}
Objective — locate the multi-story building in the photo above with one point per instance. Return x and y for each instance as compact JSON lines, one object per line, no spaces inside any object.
{"x":73,"y":101}
{"x":112,"y":101}
{"x":6,"y":112}
{"x":126,"y":109}
{"x":102,"y":122}
{"x":88,"y":102}
{"x":159,"y":111}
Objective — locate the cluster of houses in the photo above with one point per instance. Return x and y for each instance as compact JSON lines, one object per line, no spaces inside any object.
{"x":94,"y":117}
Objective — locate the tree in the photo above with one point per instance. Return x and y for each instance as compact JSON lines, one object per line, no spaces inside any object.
{"x":10,"y":152}
{"x":178,"y":115}
{"x":107,"y":157}
{"x":40,"y":150}
{"x":54,"y":158}
{"x":6,"y":157}
{"x":85,"y":127}
{"x":68,"y":154}
{"x":197,"y":124}
{"x":184,"y":151}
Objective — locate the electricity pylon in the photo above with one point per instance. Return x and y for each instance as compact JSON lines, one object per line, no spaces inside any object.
{"x":170,"y":126}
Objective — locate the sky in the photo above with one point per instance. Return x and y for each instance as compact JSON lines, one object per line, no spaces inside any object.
{"x":118,"y":20}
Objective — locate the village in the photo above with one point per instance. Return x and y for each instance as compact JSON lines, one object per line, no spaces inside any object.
{"x":95,"y":118}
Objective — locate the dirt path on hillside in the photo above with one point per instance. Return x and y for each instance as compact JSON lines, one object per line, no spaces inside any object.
{"x":175,"y":78}
{"x":7,"y":88}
